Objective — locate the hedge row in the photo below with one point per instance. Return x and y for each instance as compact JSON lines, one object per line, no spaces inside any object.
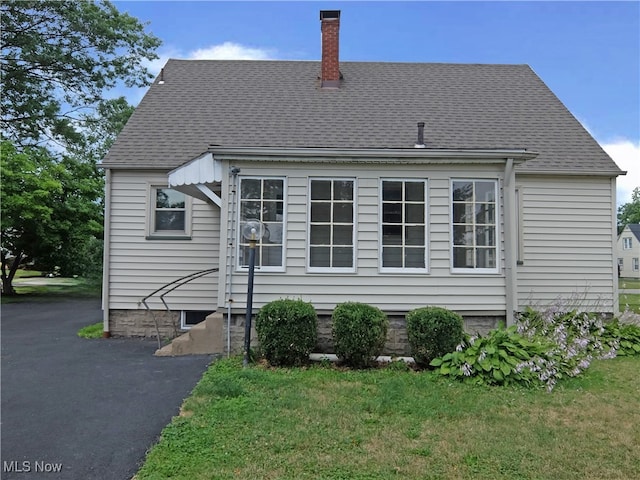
{"x":287,"y":331}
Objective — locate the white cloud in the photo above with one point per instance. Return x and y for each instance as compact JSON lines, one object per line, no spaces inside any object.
{"x":222,"y":51}
{"x":230,"y":51}
{"x":626,"y":154}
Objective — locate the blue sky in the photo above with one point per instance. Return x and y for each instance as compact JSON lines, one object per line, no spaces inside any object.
{"x":588,"y":53}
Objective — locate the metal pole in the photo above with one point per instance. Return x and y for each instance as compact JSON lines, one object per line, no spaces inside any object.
{"x":247,"y":322}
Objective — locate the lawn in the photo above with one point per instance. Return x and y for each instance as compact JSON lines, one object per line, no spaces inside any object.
{"x":326,"y":423}
{"x":629,"y":283}
{"x":32,"y":286}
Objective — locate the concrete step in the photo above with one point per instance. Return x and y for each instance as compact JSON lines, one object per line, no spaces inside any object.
{"x":204,"y":338}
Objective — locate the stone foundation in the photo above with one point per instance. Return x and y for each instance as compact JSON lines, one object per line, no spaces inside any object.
{"x":140,"y":323}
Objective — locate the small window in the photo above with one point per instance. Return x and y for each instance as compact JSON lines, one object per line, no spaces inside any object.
{"x":331,"y":225}
{"x":262,"y":199}
{"x":169,"y":213}
{"x":626,"y":243}
{"x":403,"y":225}
{"x":474,"y":226}
{"x":189,"y":318}
{"x":636,"y":264}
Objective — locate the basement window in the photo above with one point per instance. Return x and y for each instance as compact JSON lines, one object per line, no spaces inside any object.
{"x":189,"y":318}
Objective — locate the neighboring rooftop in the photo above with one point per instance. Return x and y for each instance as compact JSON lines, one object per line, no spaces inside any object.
{"x":378,"y":105}
{"x":635,"y":229}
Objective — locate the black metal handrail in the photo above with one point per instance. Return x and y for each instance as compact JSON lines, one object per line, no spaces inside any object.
{"x":174,"y":284}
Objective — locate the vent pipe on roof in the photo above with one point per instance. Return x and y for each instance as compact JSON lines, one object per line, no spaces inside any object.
{"x":420,"y":142}
{"x":161,"y":82}
{"x":330,"y":28}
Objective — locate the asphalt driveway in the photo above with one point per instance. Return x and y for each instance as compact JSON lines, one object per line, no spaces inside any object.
{"x":82,"y":409}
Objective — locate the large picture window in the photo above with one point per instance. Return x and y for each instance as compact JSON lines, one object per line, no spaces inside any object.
{"x":169,"y":213}
{"x":331,"y":225}
{"x":474,"y":227}
{"x":403,"y":225}
{"x":263,"y":199}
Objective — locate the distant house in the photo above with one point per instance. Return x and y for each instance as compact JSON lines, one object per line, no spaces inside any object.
{"x":628,"y":249}
{"x":466,"y":186}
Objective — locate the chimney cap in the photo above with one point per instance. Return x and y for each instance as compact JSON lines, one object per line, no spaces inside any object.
{"x":329,"y":14}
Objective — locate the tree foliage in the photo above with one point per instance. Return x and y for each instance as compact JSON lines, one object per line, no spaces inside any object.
{"x":58,"y":58}
{"x":59,"y":61}
{"x":629,"y":212}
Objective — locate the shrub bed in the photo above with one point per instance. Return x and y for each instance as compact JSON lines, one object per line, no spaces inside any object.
{"x":433,"y":332}
{"x":287,"y":330}
{"x":359,"y":333}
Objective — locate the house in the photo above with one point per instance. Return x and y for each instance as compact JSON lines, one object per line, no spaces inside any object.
{"x":628,"y":248}
{"x":466,"y":186}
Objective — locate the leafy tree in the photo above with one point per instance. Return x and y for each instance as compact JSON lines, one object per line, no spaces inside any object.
{"x":58,"y":58}
{"x":29,"y":186}
{"x":629,"y":212}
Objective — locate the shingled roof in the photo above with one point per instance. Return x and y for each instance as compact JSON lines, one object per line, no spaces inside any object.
{"x":378,"y":105}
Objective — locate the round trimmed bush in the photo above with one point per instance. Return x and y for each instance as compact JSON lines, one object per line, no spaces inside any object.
{"x":433,"y":332}
{"x":359,"y":333}
{"x":287,"y":330}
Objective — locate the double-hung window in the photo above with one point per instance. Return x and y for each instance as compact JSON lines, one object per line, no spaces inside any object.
{"x":169,"y":214}
{"x":262,"y":199}
{"x":331,"y":225}
{"x":403,"y":226}
{"x":474,"y":226}
{"x":626,"y":243}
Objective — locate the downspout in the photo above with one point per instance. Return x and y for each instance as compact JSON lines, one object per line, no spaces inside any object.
{"x":614,"y":259}
{"x":510,"y":239}
{"x":106,"y":246}
{"x":231,"y":249}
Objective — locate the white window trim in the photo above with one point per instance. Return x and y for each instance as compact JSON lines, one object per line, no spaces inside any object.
{"x":475,"y":271}
{"x":352,"y":269}
{"x":410,"y":270}
{"x":627,"y":243}
{"x":271,"y":269}
{"x":151,"y":234}
{"x":635,"y":264}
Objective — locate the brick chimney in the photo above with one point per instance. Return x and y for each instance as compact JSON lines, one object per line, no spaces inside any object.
{"x":330,"y":28}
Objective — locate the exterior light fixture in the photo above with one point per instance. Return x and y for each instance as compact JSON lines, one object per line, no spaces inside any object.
{"x":252,"y":230}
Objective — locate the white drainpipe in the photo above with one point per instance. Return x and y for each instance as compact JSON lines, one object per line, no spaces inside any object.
{"x":105,"y":255}
{"x":510,"y":239}
{"x":231,"y":248}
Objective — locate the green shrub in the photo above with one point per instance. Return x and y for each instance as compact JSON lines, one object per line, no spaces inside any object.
{"x":287,"y":330}
{"x":433,"y":332}
{"x":624,"y":337}
{"x":359,"y":333}
{"x":498,"y":358}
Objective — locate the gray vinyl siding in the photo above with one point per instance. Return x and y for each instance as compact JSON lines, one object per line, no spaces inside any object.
{"x":138,"y":266}
{"x":568,"y":227}
{"x":389,"y":291}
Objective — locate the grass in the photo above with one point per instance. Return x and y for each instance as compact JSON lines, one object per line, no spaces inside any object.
{"x":91,"y":331}
{"x":629,"y":283}
{"x":324,"y":423}
{"x":57,"y":288}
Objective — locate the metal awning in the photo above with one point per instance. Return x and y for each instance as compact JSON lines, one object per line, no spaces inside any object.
{"x":197,"y":177}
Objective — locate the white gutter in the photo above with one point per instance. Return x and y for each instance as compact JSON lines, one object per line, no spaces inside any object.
{"x":382,"y":155}
{"x":105,"y":254}
{"x":510,"y":242}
